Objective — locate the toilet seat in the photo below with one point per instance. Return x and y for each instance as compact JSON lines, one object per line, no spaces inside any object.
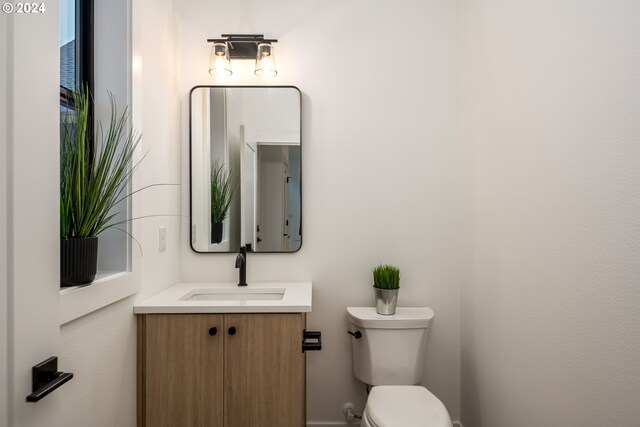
{"x":405,"y":406}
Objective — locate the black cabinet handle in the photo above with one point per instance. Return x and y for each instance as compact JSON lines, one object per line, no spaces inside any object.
{"x":213,"y":331}
{"x":232,"y":330}
{"x":356,"y":334}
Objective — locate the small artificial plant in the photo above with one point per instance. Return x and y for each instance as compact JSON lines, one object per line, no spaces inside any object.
{"x":223,"y":186}
{"x":386,"y":277}
{"x":94,"y":177}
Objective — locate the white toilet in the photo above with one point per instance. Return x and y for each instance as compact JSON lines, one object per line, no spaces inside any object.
{"x":388,"y":354}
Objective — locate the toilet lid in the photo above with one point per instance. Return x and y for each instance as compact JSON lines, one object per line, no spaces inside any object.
{"x":405,"y":406}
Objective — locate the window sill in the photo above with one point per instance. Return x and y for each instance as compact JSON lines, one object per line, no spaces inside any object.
{"x":109,"y":287}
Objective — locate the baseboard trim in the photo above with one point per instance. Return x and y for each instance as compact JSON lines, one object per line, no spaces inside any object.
{"x":330,"y":424}
{"x":346,"y":424}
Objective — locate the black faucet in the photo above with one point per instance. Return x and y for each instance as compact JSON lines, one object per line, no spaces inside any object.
{"x":241,"y":263}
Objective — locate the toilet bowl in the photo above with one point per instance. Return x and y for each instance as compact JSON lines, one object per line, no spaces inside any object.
{"x":404,"y":406}
{"x":388,"y":353}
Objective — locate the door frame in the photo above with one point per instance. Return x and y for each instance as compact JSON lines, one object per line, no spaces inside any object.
{"x":30,"y":217}
{"x":4,"y":316}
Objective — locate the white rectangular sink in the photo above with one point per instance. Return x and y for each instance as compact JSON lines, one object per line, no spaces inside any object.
{"x":213,"y":294}
{"x":227,"y":297}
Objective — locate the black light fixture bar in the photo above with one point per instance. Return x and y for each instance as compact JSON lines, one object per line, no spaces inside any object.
{"x":242,"y":46}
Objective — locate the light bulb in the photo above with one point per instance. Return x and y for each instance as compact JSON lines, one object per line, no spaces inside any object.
{"x":219,"y":64}
{"x":265,"y":61}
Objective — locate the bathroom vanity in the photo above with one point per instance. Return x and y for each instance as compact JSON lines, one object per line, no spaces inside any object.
{"x":219,"y":355}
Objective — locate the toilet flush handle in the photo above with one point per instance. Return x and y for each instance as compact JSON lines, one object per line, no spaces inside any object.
{"x":356,"y":334}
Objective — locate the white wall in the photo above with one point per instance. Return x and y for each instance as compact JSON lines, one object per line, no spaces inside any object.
{"x":368,"y":130}
{"x":268,"y":115}
{"x":156,"y":107}
{"x":100,"y":348}
{"x":550,"y":148}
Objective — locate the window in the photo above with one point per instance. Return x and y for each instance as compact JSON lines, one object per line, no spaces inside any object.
{"x":76,"y":49}
{"x":117,"y":278}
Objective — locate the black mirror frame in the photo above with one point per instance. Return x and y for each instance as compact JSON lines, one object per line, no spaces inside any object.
{"x":190,"y":165}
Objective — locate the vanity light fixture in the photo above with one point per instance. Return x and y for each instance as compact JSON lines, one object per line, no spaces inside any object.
{"x":242,"y":46}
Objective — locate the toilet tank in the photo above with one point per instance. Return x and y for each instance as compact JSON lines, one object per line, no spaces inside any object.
{"x":391,"y":349}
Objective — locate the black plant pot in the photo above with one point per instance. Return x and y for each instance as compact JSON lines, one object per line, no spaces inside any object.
{"x":78,"y":260}
{"x":216,"y":232}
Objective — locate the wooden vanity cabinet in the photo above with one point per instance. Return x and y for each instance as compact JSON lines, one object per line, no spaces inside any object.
{"x":221,"y":370}
{"x":180,"y":370}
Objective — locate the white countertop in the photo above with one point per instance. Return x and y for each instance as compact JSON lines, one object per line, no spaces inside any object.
{"x":296,"y":298}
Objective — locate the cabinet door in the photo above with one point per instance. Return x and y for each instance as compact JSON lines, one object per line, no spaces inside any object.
{"x":181,"y":378}
{"x":264,"y":378}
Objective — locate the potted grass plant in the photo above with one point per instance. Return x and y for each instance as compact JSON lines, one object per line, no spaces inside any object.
{"x":94,"y":178}
{"x":386,"y":283}
{"x":223,"y":185}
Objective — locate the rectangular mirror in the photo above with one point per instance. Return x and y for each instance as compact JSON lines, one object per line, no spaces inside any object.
{"x":245,"y":168}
